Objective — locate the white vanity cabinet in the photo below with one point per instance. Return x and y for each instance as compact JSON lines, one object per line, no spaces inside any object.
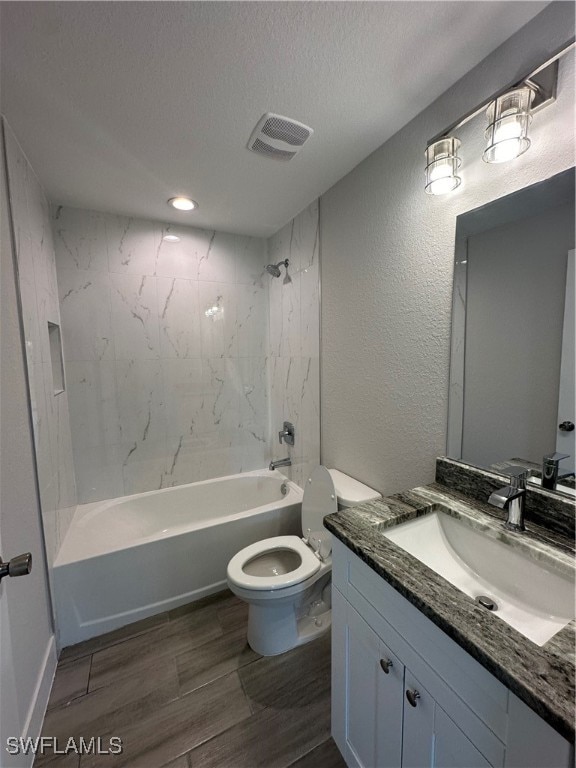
{"x":390,"y":719}
{"x":405,"y":695}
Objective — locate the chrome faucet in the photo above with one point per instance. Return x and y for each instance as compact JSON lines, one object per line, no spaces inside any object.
{"x":512,"y":498}
{"x":550,"y":469}
{"x":287,"y":462}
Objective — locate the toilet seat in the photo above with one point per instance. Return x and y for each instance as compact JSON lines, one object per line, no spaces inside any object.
{"x":308,"y":566}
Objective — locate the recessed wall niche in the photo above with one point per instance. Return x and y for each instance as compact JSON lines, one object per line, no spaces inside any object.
{"x":56,"y":358}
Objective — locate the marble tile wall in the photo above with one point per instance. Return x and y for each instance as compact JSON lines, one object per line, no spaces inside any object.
{"x":39,"y":298}
{"x":295,"y":342}
{"x":165,"y":347}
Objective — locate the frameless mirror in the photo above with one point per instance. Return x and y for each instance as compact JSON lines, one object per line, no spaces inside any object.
{"x":512,"y":397}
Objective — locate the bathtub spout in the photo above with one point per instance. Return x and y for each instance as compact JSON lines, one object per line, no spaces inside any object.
{"x":287,"y":462}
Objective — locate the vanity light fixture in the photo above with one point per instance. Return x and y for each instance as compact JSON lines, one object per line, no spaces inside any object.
{"x":442,"y":163}
{"x":171,"y":239}
{"x":508,"y":120}
{"x":183,"y":203}
{"x":509,"y":114}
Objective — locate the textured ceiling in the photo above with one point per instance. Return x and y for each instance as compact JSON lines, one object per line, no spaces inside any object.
{"x":120,"y":105}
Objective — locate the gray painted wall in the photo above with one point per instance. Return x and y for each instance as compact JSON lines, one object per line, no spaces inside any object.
{"x":387,"y":265}
{"x":514,"y":319}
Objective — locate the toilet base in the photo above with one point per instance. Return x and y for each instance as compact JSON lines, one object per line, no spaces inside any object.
{"x":272,"y":635}
{"x":277,"y":625}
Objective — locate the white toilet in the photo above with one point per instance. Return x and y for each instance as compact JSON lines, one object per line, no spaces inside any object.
{"x":287,"y":580}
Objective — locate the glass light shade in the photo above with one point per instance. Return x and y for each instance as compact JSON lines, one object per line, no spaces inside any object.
{"x":508,"y":120}
{"x":442,"y":164}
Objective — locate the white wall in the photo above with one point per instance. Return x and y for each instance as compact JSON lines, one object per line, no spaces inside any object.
{"x":387,"y":266}
{"x":514,"y":320}
{"x":295,"y":343}
{"x":164,"y":389}
{"x":39,"y":296}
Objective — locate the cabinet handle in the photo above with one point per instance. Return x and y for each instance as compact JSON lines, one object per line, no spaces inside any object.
{"x":412,"y":696}
{"x":386,"y":664}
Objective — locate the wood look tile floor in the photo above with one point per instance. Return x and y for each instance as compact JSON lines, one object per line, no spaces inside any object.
{"x":184,"y":690}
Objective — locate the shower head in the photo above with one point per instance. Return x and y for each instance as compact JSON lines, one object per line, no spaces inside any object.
{"x":274,"y":269}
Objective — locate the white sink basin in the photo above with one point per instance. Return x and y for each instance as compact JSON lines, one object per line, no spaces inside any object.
{"x":530,"y":596}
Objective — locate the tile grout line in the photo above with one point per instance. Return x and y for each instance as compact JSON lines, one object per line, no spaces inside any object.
{"x":120,"y":640}
{"x":89,"y":674}
{"x":308,"y":752}
{"x":229,"y":728}
{"x":244,"y":689}
{"x":220,"y":733}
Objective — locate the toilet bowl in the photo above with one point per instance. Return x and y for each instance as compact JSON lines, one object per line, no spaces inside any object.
{"x":286,"y":580}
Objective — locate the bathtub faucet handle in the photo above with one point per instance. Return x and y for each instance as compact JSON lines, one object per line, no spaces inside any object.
{"x":286,"y":434}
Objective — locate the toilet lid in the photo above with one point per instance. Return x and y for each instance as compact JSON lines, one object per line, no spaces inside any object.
{"x":309,"y":564}
{"x":319,"y":500}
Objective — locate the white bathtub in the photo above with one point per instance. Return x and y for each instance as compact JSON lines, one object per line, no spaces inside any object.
{"x":128,"y":558}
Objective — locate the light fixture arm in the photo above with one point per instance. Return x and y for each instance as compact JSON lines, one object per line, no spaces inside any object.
{"x":542,"y":81}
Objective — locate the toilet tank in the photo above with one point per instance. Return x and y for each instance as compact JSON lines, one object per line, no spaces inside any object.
{"x":351,"y":492}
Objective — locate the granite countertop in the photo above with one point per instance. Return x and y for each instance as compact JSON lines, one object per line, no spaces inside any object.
{"x":542,"y":676}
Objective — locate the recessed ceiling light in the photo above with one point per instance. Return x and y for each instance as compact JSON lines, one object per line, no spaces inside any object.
{"x":183,"y":203}
{"x":171,"y":238}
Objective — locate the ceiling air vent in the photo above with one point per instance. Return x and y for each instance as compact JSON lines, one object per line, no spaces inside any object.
{"x":278,"y":137}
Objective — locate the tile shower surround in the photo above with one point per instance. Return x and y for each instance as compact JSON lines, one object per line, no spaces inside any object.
{"x":39,"y":299}
{"x":295,"y":341}
{"x":164,"y":348}
{"x":171,"y":375}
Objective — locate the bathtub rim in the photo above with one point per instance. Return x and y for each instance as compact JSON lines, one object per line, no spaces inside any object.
{"x":294,"y":496}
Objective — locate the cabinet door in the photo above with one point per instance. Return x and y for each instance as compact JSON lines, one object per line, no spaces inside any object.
{"x":430,"y":738}
{"x":362,"y":657}
{"x":374,"y":707}
{"x":389,"y":717}
{"x":451,"y":747}
{"x":418,"y":733}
